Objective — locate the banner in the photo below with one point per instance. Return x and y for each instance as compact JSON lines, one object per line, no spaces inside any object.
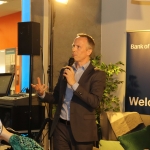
{"x":137,"y":96}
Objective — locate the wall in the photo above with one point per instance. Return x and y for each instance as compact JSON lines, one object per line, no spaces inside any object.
{"x":138,"y":15}
{"x":118,"y":17}
{"x":113,"y":33}
{"x":40,"y":13}
{"x":8,"y":30}
{"x":8,"y":36}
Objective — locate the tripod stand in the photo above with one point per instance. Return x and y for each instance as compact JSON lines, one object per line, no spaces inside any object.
{"x":47,"y":120}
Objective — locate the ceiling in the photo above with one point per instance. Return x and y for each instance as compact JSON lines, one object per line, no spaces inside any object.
{"x":11,"y":7}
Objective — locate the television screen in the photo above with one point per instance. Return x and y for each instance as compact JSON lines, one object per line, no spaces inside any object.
{"x":6,"y":80}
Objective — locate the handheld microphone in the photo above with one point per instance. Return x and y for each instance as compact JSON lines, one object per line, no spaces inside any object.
{"x":70,"y":63}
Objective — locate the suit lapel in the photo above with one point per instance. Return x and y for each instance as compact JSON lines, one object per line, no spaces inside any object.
{"x":63,"y":84}
{"x":85,"y":74}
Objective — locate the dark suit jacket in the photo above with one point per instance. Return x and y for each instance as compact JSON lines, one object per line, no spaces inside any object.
{"x":84,"y":101}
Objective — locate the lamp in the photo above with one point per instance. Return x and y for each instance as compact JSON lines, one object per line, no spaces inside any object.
{"x":62,"y":1}
{"x":2,"y":2}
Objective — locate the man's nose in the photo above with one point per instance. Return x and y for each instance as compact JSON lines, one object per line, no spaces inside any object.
{"x":73,"y":48}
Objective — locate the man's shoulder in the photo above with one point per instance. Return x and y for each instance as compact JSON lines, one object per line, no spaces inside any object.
{"x":97,"y":70}
{"x":100,"y":72}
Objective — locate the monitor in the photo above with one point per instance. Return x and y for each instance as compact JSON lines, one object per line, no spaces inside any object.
{"x":6,"y":80}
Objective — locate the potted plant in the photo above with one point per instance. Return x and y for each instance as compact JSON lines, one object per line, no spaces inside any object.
{"x":109,"y":101}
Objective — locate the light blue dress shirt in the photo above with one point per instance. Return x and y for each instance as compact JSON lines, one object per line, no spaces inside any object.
{"x":65,"y":111}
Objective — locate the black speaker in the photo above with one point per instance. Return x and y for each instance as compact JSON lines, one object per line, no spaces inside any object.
{"x":28,"y":38}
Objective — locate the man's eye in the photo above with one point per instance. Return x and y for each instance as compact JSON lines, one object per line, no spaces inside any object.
{"x":77,"y":46}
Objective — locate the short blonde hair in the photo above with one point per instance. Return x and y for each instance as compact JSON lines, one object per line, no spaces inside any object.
{"x":89,"y":39}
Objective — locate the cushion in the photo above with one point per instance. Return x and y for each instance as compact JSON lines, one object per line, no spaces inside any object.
{"x":138,"y":140}
{"x":124,"y":122}
{"x":110,"y":145}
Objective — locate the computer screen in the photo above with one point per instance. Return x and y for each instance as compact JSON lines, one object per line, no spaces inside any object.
{"x":6,"y":80}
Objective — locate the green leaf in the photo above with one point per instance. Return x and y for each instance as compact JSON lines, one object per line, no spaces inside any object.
{"x":109,"y":101}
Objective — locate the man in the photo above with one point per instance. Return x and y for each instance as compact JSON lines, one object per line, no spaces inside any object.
{"x":78,"y":93}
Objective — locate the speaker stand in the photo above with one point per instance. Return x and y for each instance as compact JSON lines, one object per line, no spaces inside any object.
{"x":30,"y":96}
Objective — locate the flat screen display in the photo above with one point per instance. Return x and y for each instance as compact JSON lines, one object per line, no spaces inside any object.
{"x":6,"y":80}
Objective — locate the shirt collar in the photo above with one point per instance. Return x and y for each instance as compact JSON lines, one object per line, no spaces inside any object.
{"x":83,"y":67}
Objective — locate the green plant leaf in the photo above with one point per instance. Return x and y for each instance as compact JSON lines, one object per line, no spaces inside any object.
{"x":109,"y":101}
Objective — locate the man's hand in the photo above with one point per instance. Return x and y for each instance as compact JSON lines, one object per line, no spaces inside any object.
{"x":40,"y":88}
{"x":69,"y":74}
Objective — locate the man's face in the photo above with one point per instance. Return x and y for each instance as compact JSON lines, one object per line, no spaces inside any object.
{"x":81,"y":50}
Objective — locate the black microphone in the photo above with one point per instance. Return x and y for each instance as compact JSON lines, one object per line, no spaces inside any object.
{"x":70,"y":63}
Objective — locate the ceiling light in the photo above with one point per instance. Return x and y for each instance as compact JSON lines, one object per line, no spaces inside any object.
{"x":62,"y":1}
{"x":3,"y":2}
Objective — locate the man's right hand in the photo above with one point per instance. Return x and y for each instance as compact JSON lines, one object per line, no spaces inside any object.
{"x":40,"y":88}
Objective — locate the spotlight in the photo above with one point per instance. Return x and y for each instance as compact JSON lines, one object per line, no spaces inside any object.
{"x":3,"y":2}
{"x":62,"y":1}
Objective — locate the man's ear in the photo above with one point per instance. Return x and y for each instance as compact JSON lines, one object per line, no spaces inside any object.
{"x":89,"y":51}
